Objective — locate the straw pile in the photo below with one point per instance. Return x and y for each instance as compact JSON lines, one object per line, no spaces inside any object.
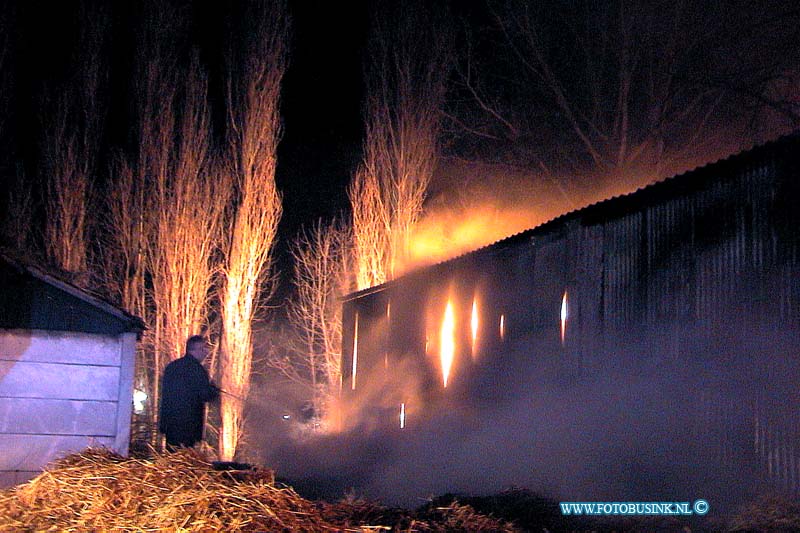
{"x":433,"y":519}
{"x":98,"y":490}
{"x":768,"y":513}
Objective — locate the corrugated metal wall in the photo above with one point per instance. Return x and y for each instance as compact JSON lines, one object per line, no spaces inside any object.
{"x":698,"y":275}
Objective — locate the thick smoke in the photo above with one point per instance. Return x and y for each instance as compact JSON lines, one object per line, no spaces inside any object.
{"x":643,"y":421}
{"x":471,"y":205}
{"x":702,"y":407}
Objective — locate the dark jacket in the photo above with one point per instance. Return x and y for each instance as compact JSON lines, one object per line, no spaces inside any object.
{"x":185,"y":388}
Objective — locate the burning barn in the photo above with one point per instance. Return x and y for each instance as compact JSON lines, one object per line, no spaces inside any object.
{"x":645,"y":343}
{"x":66,"y":371}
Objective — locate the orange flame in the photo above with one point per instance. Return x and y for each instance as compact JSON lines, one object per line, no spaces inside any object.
{"x":503,"y":327}
{"x":474,"y":325}
{"x":563,"y":317}
{"x":448,"y":342}
{"x":445,"y":232}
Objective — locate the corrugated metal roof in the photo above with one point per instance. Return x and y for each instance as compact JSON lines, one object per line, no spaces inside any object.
{"x":133,"y":323}
{"x":616,"y":205}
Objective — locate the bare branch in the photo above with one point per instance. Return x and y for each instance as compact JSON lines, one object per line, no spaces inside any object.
{"x":406,"y":86}
{"x":70,"y":150}
{"x":320,"y":279}
{"x":18,"y":223}
{"x":617,"y":89}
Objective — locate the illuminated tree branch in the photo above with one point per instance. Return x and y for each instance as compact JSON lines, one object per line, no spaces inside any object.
{"x":255,"y":131}
{"x":406,"y":86}
{"x":70,"y":150}
{"x":320,"y":279}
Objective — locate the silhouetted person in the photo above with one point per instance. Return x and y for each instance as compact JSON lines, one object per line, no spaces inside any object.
{"x":185,"y":389}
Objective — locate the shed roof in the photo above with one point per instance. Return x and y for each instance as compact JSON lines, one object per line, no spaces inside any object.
{"x":32,"y":297}
{"x":617,"y":206}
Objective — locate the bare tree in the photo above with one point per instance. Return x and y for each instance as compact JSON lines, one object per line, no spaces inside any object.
{"x":320,"y":278}
{"x":619,"y":89}
{"x":124,"y":259}
{"x":371,"y":228}
{"x":406,"y":79}
{"x":18,"y":222}
{"x":67,"y":193}
{"x":188,"y":203}
{"x":183,"y":207}
{"x":138,"y":187}
{"x":254,"y":133}
{"x":72,"y":135}
{"x":128,"y":224}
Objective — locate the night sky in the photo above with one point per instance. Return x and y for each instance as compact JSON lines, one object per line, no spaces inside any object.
{"x":322,"y":106}
{"x":320,"y":103}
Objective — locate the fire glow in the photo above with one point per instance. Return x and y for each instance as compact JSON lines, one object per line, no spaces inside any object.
{"x":402,"y":416}
{"x":502,"y":327}
{"x":563,"y":317}
{"x":448,"y":342}
{"x":467,"y":224}
{"x":474,"y":325}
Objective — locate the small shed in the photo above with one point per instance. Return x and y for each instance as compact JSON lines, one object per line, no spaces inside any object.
{"x":66,"y":370}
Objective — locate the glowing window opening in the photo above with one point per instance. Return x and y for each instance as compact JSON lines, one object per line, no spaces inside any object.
{"x":387,"y":336}
{"x":474,"y":326}
{"x":447,"y":341}
{"x":355,"y":353}
{"x":564,"y":315}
